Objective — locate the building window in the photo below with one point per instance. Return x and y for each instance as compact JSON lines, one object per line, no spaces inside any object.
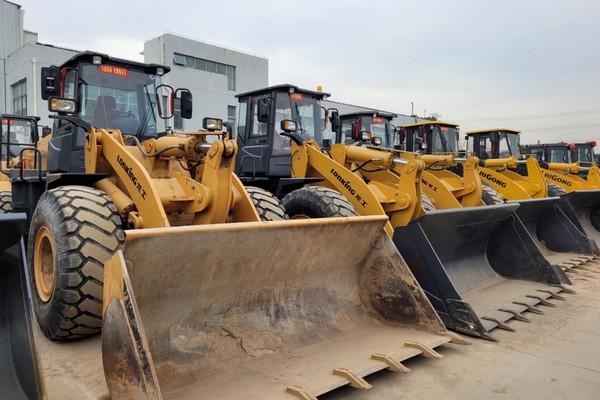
{"x":177,"y":120}
{"x":19,"y":95}
{"x":231,"y":117}
{"x":208,"y":66}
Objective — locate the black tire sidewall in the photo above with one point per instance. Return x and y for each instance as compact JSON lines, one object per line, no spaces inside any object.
{"x":73,"y":310}
{"x":46,"y":215}
{"x":5,"y":201}
{"x":267,"y":205}
{"x":317,"y":202}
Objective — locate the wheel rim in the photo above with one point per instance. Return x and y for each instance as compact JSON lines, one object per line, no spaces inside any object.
{"x":44,"y":264}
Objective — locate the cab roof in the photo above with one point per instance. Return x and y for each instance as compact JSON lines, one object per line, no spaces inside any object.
{"x":283,"y":88}
{"x":430,"y":123}
{"x":508,"y":130}
{"x":370,"y":113}
{"x":87,"y":56}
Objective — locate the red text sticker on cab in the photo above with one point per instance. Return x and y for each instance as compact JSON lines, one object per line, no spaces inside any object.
{"x":110,"y":69}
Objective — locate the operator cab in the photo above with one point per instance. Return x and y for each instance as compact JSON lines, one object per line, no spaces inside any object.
{"x":430,"y":137}
{"x":18,"y":132}
{"x":267,"y":119}
{"x":368,"y":127}
{"x":494,"y":143}
{"x":109,"y":93}
{"x":584,"y":153}
{"x":552,"y":152}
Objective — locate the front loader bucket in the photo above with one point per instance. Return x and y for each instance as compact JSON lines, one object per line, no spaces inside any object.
{"x":19,"y":370}
{"x":559,"y":240}
{"x":288,"y":309}
{"x":479,"y":266}
{"x":583,"y":208}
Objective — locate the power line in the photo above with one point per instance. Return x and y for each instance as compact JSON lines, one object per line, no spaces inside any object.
{"x":561,"y":128}
{"x":538,"y":116}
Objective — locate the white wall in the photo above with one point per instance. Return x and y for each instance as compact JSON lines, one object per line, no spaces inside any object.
{"x":26,"y":63}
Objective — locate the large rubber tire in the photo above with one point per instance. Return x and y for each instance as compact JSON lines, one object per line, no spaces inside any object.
{"x":74,"y":230}
{"x":5,"y":202}
{"x":490,"y":196}
{"x":427,"y":203}
{"x":268,"y":206}
{"x":317,"y":202}
{"x":555,"y":191}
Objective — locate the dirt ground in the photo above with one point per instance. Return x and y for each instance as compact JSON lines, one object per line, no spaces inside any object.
{"x":556,"y":356}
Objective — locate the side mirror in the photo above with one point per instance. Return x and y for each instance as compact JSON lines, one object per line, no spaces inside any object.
{"x":185,"y":98}
{"x":355,"y":132}
{"x":46,"y":131}
{"x":51,"y":78}
{"x":401,"y":132}
{"x":335,"y":120}
{"x":264,"y":109}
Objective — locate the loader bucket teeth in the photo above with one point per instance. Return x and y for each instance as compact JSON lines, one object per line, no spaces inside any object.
{"x":478,"y":266}
{"x":20,"y":377}
{"x":188,"y":308}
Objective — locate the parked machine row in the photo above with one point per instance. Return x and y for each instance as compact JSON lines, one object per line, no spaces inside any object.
{"x":323,"y":252}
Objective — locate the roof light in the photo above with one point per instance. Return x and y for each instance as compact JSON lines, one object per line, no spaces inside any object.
{"x":212,"y":124}
{"x":160,"y":71}
{"x":96,"y":60}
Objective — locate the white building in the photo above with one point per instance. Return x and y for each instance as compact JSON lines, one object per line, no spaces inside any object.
{"x":21,"y":60}
{"x":212,"y":73}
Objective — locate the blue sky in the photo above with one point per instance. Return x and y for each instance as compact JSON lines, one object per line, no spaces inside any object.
{"x":528,"y":65}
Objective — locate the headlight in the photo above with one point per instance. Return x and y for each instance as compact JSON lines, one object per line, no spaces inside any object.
{"x":365,"y":136}
{"x":57,"y":104}
{"x":376,"y":141}
{"x":212,"y":124}
{"x":288,"y":125}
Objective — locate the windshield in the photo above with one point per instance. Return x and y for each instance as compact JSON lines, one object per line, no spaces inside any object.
{"x":509,"y":144}
{"x":377,"y":127}
{"x":302,"y":109}
{"x":118,"y":98}
{"x":560,"y":155}
{"x":585,"y":153}
{"x":445,"y":139}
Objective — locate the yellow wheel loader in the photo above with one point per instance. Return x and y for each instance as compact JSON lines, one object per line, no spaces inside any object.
{"x":515,"y":178}
{"x":150,"y":236}
{"x":463,"y":258}
{"x":442,"y":187}
{"x":558,"y":238}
